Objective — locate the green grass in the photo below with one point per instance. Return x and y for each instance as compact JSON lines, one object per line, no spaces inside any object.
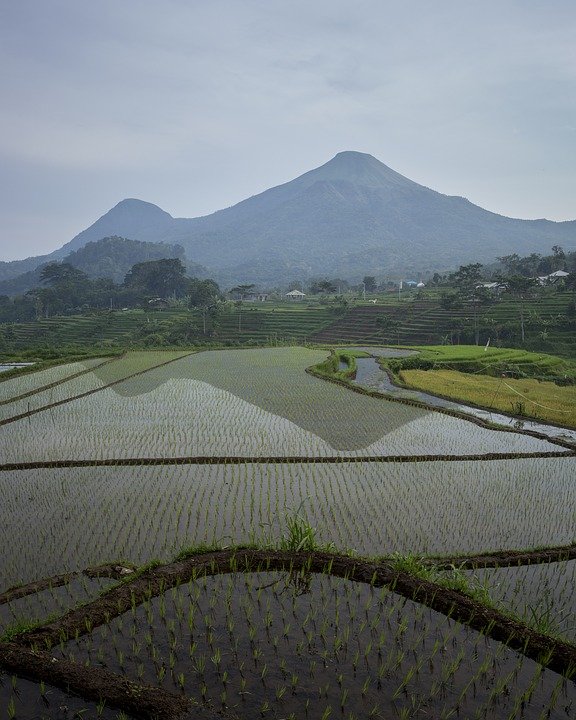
{"x":496,"y":361}
{"x":529,"y":398}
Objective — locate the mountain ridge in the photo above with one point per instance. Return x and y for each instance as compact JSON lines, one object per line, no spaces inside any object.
{"x":352,"y":206}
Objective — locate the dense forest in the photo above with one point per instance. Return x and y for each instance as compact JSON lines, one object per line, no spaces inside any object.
{"x":65,"y":290}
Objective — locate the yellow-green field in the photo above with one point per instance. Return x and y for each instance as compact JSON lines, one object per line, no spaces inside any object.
{"x":545,"y":401}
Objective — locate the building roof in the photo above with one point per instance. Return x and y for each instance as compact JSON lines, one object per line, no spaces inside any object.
{"x":295,"y":293}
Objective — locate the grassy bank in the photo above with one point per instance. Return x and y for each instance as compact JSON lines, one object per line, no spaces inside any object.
{"x":524,"y":397}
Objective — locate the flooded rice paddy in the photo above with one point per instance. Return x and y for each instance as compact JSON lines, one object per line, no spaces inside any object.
{"x":254,"y":642}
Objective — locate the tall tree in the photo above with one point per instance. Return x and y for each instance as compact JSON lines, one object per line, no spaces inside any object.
{"x":467,"y":277}
{"x":519,"y":287}
{"x":158,"y":278}
{"x":68,"y":288}
{"x":323,"y":286}
{"x":202,"y":293}
{"x":242,"y":290}
{"x":467,"y":282}
{"x":62,"y":274}
{"x":369,"y":283}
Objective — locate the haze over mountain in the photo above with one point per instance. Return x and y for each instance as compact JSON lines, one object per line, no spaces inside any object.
{"x":349,"y":217}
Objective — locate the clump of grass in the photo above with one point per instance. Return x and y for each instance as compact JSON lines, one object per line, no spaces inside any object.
{"x":23,"y":626}
{"x":412,"y":564}
{"x":300,"y":535}
{"x":546,"y":620}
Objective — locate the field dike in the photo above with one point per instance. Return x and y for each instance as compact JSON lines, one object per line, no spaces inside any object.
{"x":21,"y":416}
{"x":28,"y":653}
{"x":56,"y":383}
{"x":277,"y":459}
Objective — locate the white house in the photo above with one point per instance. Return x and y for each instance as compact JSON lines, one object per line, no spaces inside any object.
{"x":553,"y":277}
{"x":295,"y":295}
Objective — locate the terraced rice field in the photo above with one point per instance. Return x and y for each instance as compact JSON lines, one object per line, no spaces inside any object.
{"x":154,"y":452}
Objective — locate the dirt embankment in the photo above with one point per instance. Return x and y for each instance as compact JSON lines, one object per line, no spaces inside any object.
{"x":28,"y":653}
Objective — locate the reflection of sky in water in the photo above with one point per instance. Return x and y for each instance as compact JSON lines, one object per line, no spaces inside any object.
{"x":5,"y":368}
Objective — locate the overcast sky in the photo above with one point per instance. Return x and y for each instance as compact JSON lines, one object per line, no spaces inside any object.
{"x":195,"y":105}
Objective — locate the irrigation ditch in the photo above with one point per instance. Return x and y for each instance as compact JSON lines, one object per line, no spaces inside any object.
{"x":445,"y":411}
{"x":27,"y":653}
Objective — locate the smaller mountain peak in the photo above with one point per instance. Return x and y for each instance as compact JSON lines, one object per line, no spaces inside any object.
{"x":129,"y":205}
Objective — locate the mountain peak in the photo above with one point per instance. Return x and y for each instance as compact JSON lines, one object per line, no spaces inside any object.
{"x":354,"y":156}
{"x":360,"y":168}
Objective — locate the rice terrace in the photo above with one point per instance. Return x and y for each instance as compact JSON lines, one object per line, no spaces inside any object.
{"x":245,"y":533}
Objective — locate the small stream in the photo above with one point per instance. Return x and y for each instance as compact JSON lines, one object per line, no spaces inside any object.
{"x":10,"y":366}
{"x":371,"y":376}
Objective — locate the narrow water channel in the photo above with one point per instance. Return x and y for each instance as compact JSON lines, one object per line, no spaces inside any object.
{"x":370,"y":375}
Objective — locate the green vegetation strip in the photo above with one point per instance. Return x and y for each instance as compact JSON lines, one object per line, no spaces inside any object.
{"x":93,"y":391}
{"x":526,"y":398}
{"x":493,"y":559}
{"x":278,"y":460}
{"x":51,"y":385}
{"x":553,"y":653}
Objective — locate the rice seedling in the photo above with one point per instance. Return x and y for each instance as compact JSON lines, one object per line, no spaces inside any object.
{"x":372,"y":507}
{"x":542,"y":595}
{"x":460,"y":663}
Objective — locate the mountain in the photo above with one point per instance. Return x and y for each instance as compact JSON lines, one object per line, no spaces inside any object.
{"x":355,"y":215}
{"x":129,"y":219}
{"x":110,"y":257}
{"x":349,"y":217}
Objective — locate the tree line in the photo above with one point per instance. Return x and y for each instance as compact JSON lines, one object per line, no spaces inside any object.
{"x":66,"y":290}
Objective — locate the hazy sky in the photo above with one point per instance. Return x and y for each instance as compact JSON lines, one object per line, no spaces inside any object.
{"x":195,"y":105}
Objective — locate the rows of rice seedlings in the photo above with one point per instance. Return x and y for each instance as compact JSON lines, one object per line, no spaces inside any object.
{"x":344,"y":420}
{"x":136,"y":361}
{"x":191,"y":418}
{"x":312,"y":646}
{"x":64,"y":391}
{"x":33,"y":381}
{"x":21,"y":699}
{"x":101,"y":376}
{"x":542,"y":595}
{"x":87,"y":516}
{"x":50,"y":602}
